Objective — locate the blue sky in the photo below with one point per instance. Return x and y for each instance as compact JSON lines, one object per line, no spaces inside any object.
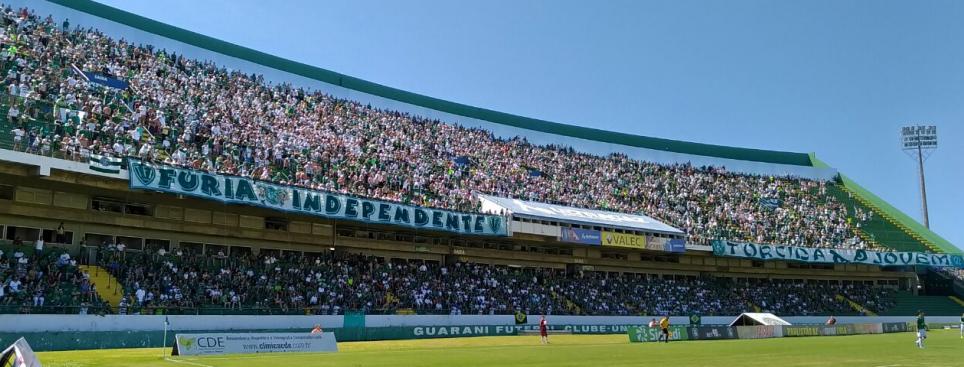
{"x":833,"y":77}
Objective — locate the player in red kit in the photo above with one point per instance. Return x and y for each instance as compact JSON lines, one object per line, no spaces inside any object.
{"x":544,"y":329}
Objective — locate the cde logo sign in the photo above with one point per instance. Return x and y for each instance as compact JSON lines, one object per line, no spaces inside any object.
{"x":210,"y":342}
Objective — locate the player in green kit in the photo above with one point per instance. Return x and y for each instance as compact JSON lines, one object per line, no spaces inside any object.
{"x":921,"y":329}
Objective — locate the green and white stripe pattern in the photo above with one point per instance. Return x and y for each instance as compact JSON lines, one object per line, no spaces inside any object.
{"x":105,"y":164}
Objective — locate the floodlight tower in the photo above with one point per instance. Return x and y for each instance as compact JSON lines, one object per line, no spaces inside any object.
{"x":919,"y":142}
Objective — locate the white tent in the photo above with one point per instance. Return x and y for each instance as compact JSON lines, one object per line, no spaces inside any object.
{"x":19,"y":354}
{"x":751,"y":318}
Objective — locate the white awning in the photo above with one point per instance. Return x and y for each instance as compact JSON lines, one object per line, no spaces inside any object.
{"x":560,"y":213}
{"x":751,"y":318}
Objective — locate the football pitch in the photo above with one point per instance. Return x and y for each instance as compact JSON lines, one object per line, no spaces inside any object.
{"x":944,"y":348}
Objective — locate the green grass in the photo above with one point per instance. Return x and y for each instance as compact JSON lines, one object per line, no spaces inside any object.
{"x":944,"y":348}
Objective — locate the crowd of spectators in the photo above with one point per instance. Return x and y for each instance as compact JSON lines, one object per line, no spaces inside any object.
{"x":197,"y":114}
{"x":333,"y":282}
{"x":795,"y":297}
{"x":876,"y":300}
{"x":44,"y":282}
{"x":953,"y":272}
{"x":600,"y":293}
{"x":323,"y":284}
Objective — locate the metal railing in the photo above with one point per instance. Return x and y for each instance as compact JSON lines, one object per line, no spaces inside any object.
{"x":92,"y":309}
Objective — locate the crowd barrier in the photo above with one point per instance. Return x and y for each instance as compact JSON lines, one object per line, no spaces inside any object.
{"x":710,"y":332}
{"x":759,"y":332}
{"x":18,"y":323}
{"x":73,"y":340}
{"x":646,"y":334}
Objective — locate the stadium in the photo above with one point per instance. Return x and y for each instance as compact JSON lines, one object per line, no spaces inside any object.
{"x":170,"y":198}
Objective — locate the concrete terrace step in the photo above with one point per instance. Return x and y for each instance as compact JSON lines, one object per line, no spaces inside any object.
{"x":108,"y":288}
{"x":856,"y":306}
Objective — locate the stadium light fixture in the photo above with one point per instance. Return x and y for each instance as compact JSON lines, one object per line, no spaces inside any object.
{"x":919,"y":142}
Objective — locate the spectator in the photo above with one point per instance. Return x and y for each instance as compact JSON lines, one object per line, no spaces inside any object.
{"x":61,"y":234}
{"x":17,"y":132}
{"x":38,"y":298}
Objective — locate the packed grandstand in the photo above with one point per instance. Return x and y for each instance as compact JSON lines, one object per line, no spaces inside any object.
{"x":199,"y":115}
{"x":179,"y":282}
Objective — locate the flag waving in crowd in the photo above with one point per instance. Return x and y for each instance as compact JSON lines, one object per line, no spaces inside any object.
{"x":105,"y":163}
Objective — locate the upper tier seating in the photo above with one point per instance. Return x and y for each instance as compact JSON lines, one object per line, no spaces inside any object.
{"x":194,"y":113}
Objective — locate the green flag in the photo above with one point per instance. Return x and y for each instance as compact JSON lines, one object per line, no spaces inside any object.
{"x":520,"y":317}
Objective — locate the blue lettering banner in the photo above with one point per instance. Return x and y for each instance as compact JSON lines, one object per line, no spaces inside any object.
{"x":676,"y":245}
{"x":834,"y":256}
{"x":240,"y":190}
{"x":583,"y":236}
{"x":105,"y":80}
{"x":667,"y":244}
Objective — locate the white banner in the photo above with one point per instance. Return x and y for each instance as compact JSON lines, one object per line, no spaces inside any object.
{"x":760,"y":331}
{"x":203,"y":344}
{"x":834,"y":256}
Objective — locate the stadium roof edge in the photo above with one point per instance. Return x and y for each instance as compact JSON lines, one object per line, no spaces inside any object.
{"x":331,"y":77}
{"x":576,"y":215}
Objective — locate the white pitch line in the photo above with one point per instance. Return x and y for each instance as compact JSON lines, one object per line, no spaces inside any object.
{"x":187,"y":362}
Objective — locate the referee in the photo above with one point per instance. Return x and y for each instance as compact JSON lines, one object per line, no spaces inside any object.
{"x":664,"y":329}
